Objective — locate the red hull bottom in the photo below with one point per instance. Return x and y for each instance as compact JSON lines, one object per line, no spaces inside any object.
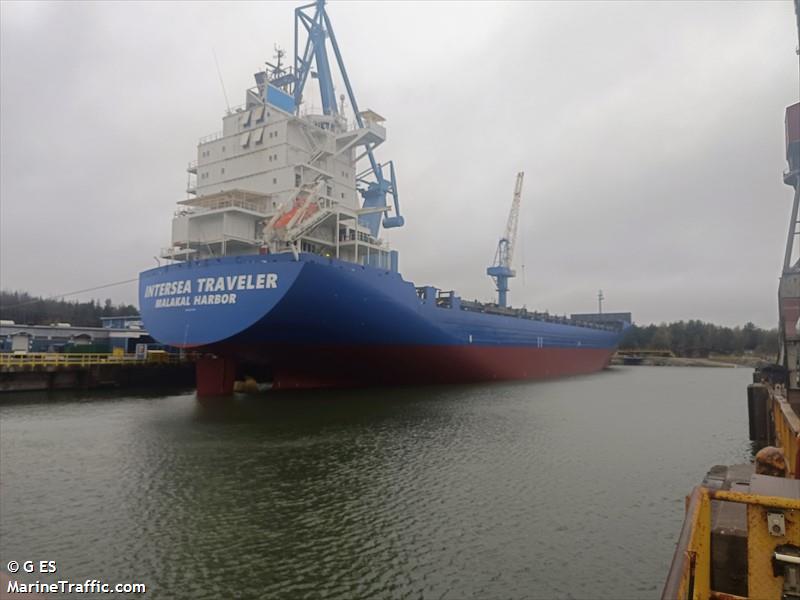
{"x":358,"y":366}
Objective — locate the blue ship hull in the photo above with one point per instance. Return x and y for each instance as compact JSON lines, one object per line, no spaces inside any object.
{"x":319,"y":321}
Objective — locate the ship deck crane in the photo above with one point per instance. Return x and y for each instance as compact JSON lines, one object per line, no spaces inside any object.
{"x":373,"y":185}
{"x":501,"y":270}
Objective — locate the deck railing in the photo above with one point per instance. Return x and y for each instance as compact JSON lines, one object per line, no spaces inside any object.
{"x":259,"y":206}
{"x":57,"y":359}
{"x":787,"y":430}
{"x":210,"y":137}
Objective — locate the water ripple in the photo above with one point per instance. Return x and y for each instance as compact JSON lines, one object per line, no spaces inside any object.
{"x":506,"y":491}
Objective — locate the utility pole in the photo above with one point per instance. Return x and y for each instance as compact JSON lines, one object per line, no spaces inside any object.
{"x":600,"y":299}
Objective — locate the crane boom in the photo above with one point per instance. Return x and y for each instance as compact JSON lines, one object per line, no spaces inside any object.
{"x":501,"y":270}
{"x":374,"y":187}
{"x":513,"y":220}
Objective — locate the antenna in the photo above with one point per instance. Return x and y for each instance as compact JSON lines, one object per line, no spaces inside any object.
{"x":600,"y":299}
{"x":222,"y":83}
{"x":277,"y":71}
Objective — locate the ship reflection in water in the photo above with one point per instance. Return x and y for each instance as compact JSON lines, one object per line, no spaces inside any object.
{"x":551,"y":489}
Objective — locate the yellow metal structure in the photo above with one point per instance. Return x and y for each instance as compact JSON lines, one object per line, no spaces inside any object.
{"x":158,"y":356}
{"x":760,"y":545}
{"x":786,"y":425}
{"x":690,"y":575}
{"x":38,"y":360}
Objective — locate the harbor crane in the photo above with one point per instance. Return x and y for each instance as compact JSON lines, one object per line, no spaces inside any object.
{"x":501,"y":270}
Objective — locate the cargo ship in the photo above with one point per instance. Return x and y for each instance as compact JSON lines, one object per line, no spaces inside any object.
{"x":277,"y":267}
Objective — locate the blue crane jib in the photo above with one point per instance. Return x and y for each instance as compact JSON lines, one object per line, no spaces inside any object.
{"x":501,"y":270}
{"x":284,"y":89}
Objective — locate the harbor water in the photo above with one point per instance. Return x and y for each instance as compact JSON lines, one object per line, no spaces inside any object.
{"x":562,"y":489}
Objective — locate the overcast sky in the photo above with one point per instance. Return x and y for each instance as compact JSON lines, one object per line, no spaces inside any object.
{"x":651,"y":136}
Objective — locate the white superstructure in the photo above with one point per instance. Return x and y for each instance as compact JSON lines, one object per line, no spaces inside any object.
{"x":274,"y":180}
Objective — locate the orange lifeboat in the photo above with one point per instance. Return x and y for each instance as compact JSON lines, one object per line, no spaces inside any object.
{"x":287,"y":217}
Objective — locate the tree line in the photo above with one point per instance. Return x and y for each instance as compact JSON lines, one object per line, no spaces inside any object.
{"x":24,"y":309}
{"x":697,"y":338}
